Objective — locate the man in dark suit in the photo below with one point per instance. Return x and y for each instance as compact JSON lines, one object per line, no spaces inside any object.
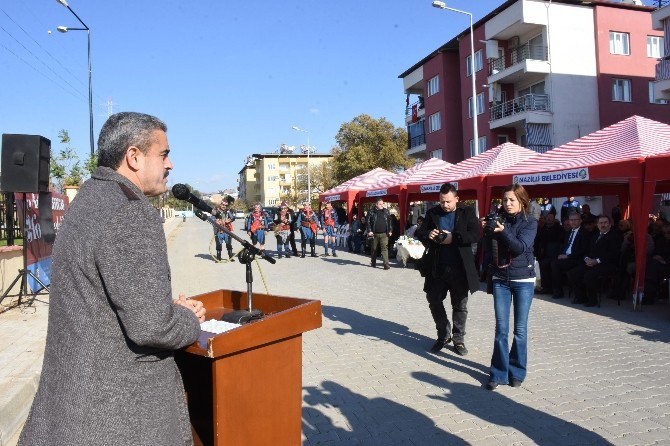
{"x":602,"y":259}
{"x":449,"y":231}
{"x":573,"y":250}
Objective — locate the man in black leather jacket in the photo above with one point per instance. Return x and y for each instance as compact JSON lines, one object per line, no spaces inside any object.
{"x":449,"y":231}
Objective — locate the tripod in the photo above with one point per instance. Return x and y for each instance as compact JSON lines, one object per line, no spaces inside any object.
{"x":24,"y":272}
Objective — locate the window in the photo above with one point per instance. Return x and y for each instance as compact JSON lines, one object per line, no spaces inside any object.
{"x":652,"y":96}
{"x":434,"y":85}
{"x":480,"y":103}
{"x":502,"y":139}
{"x":272,"y":178}
{"x":533,"y":89}
{"x":621,"y":90}
{"x":468,"y":66}
{"x":479,"y":60}
{"x":434,"y":123}
{"x":284,"y":168}
{"x":271,"y":166}
{"x":482,"y":145}
{"x":470,"y":107}
{"x":619,"y":43}
{"x":273,"y":201}
{"x":655,"y":47}
{"x":436,"y":154}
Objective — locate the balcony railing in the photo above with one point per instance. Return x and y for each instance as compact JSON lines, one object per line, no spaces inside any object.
{"x":518,"y":55}
{"x":417,"y":140}
{"x":529,"y":102}
{"x":663,"y":70}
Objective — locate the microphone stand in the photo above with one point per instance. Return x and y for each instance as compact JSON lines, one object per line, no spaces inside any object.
{"x":246,"y":256}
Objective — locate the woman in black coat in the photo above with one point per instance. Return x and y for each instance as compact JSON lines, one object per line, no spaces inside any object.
{"x":513,"y":273}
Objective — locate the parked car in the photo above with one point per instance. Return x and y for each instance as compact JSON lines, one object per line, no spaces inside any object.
{"x":240,"y":214}
{"x":271,"y":212}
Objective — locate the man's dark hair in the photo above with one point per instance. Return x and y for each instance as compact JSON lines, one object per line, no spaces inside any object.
{"x":448,"y":187}
{"x":604,"y":216}
{"x":123,"y":130}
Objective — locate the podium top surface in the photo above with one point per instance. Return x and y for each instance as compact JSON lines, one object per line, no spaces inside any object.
{"x":284,"y":317}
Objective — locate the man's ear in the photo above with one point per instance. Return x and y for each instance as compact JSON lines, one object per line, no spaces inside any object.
{"x":131,"y":158}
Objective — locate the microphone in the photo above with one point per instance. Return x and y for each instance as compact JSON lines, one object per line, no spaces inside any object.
{"x":181,"y":192}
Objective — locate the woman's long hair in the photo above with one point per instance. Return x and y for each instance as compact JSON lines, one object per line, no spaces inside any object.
{"x":521,"y":196}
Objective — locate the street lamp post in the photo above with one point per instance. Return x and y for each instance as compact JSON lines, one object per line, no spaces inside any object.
{"x":64,"y":29}
{"x":475,"y":139}
{"x":309,"y":187}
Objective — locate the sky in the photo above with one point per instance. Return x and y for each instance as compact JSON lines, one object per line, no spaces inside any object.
{"x":229,"y":78}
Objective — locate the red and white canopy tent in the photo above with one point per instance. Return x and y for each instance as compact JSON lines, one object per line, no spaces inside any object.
{"x":468,"y":175}
{"x":610,"y":161}
{"x":348,"y":190}
{"x":391,"y":189}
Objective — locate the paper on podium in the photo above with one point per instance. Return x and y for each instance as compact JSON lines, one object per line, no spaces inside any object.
{"x":217,"y":327}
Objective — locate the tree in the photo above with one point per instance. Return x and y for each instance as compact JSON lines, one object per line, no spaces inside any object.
{"x":65,"y":167}
{"x":366,"y":143}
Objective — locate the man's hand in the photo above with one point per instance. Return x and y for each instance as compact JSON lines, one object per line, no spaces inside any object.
{"x":390,"y":233}
{"x":433,"y":233}
{"x":370,"y":234}
{"x":590,"y":262}
{"x":193,"y":305}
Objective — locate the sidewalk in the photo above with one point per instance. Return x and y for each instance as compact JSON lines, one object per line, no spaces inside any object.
{"x":22,"y":339}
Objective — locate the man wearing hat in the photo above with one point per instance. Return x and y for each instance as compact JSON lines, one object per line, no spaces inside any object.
{"x":225,"y":218}
{"x":283,"y":223}
{"x":329,"y":225}
{"x":309,"y":225}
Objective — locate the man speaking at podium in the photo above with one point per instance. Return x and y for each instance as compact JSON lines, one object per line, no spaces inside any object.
{"x":109,"y":376}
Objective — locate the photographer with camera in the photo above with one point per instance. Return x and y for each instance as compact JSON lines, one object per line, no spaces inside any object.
{"x":512,"y":234}
{"x":448,"y":232}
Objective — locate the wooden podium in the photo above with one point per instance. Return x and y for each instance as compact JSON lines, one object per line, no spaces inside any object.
{"x":244,"y":386}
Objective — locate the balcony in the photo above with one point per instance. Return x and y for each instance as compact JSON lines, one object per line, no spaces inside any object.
{"x":414,"y":112}
{"x":523,"y":60}
{"x":531,"y":108}
{"x":662,"y":84}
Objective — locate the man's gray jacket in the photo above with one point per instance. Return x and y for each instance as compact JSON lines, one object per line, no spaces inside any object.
{"x":109,"y":376}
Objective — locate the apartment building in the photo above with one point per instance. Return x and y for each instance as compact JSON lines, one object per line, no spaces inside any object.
{"x":265,"y":178}
{"x":661,"y":22}
{"x":546,"y":72}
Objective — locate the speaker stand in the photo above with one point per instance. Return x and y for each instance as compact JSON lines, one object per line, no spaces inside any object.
{"x":24,"y":273}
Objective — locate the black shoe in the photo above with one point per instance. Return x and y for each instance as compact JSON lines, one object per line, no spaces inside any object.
{"x":515,"y":382}
{"x":334,"y":254}
{"x":460,"y":349}
{"x":373,"y":264}
{"x":279,"y":256}
{"x":302,"y":256}
{"x":288,"y":256}
{"x":439,"y":345}
{"x":231,"y":259}
{"x":491,"y":385}
{"x":387,"y":266}
{"x":326,"y":255}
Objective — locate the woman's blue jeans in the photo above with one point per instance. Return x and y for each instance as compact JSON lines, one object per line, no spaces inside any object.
{"x":509,"y":364}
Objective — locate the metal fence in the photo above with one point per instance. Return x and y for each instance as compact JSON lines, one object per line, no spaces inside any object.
{"x":9,"y":221}
{"x":528,"y":102}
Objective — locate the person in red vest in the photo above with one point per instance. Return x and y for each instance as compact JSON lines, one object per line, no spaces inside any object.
{"x":329,"y":225}
{"x":257,"y":224}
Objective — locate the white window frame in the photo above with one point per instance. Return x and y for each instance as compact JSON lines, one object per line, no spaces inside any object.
{"x":655,"y":47}
{"x":434,"y":122}
{"x":482,"y":144}
{"x":468,"y":66}
{"x":470,"y":107}
{"x":619,"y":43}
{"x":436,"y":154}
{"x":271,"y":166}
{"x":472,"y":148}
{"x":479,"y":60}
{"x":621,"y":90}
{"x":652,"y":96}
{"x":434,"y":85}
{"x":480,"y":103}
{"x":272,"y":178}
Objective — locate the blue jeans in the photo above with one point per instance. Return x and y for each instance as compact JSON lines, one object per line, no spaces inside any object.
{"x":505,"y":364}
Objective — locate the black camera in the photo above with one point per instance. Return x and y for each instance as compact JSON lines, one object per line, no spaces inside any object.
{"x":440,"y":237}
{"x":492,"y":221}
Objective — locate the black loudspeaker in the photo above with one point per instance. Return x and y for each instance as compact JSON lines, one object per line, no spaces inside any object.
{"x":25,"y":163}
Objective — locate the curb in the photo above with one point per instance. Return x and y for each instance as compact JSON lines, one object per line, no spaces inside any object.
{"x":14,"y":410}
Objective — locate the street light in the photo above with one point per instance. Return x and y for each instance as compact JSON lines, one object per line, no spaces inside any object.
{"x":309,"y":188}
{"x":64,"y":29}
{"x":475,"y":140}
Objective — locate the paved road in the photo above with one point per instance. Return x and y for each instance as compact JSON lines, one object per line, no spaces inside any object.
{"x":596,"y":376}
